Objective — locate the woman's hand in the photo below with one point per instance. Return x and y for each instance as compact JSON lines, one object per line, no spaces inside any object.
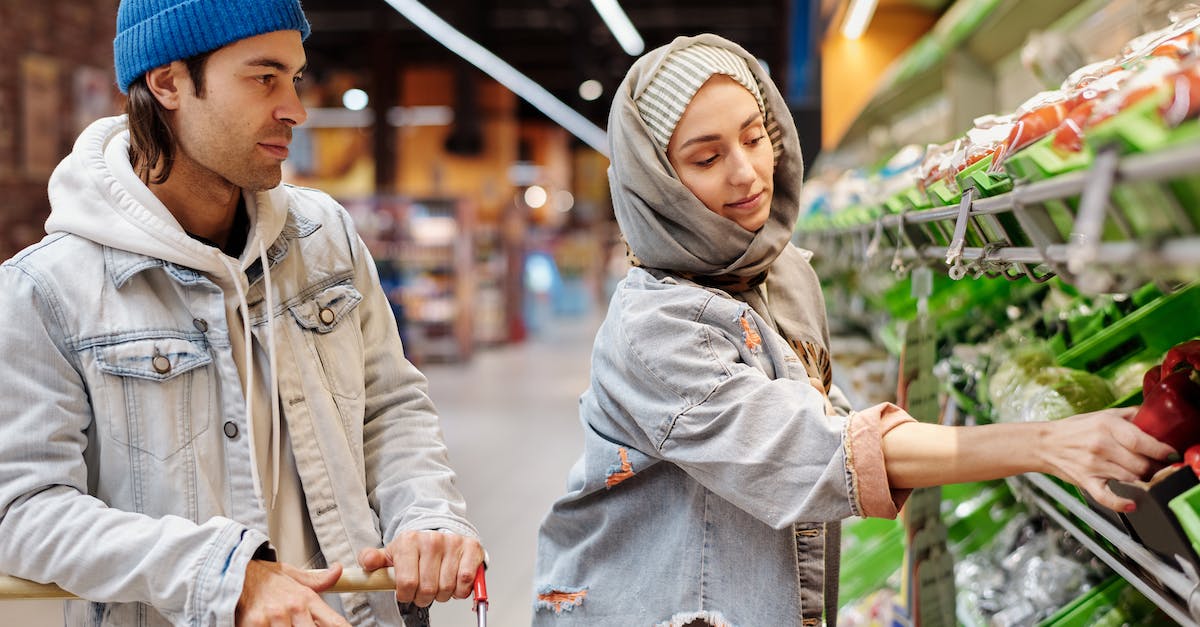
{"x":1089,"y":449}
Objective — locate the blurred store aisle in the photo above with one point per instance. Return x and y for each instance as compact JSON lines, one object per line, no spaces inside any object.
{"x":511,"y":421}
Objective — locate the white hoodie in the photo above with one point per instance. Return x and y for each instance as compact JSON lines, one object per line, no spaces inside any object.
{"x":95,"y":194}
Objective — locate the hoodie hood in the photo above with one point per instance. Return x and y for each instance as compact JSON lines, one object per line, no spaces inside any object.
{"x":665,"y":225}
{"x":95,"y":194}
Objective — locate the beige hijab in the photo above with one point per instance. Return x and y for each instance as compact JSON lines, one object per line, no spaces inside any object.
{"x":667,"y":228}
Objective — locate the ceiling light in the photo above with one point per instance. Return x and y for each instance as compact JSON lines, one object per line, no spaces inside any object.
{"x":535,"y":196}
{"x":590,"y":89}
{"x":564,"y":201}
{"x":858,"y":16}
{"x":355,"y":99}
{"x":503,"y":73}
{"x":616,"y":20}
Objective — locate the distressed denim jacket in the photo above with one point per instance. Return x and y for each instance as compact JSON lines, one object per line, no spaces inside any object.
{"x":709,"y":470}
{"x":124,"y":461}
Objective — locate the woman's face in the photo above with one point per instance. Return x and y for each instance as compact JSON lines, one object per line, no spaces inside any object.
{"x":722,"y":154}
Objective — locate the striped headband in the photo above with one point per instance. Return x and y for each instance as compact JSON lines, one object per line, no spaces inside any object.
{"x":680,"y":76}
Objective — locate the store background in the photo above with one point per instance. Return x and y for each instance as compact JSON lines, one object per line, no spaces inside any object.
{"x":490,"y":222}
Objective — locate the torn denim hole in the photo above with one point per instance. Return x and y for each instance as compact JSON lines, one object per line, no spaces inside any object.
{"x":618,"y":474}
{"x":685,"y":619}
{"x":749,"y":335}
{"x":560,"y":599}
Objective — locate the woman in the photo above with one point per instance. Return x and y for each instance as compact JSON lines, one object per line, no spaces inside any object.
{"x":718,"y":458}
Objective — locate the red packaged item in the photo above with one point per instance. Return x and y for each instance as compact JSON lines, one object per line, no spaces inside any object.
{"x":988,"y":138}
{"x":1109,"y":95}
{"x":1036,"y":118}
{"x":1184,"y":103}
{"x":938,"y":164}
{"x":1068,"y":137}
{"x":1178,"y":47}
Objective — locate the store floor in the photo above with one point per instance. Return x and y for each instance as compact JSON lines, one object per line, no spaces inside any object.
{"x":511,"y":421}
{"x":510,"y":417}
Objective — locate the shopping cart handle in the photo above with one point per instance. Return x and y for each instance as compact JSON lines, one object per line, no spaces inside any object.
{"x":480,"y":585}
{"x":481,"y":602}
{"x":352,"y":580}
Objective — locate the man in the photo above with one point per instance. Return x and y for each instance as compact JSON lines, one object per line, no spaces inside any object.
{"x":201,"y":369}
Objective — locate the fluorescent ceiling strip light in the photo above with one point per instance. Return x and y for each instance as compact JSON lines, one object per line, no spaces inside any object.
{"x":616,"y":20}
{"x":504,"y":73}
{"x":858,"y":16}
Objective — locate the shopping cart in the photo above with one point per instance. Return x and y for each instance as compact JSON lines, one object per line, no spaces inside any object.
{"x":352,"y":580}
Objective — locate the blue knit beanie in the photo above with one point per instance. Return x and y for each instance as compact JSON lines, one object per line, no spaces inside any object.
{"x":151,"y":33}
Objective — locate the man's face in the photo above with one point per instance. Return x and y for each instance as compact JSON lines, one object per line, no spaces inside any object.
{"x":239,"y":128}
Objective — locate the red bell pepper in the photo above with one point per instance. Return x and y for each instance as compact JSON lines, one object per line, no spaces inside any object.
{"x":1186,"y":354}
{"x":1170,"y":410}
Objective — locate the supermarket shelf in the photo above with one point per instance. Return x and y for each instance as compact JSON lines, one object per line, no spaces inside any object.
{"x":1170,"y":588}
{"x":1083,"y":257}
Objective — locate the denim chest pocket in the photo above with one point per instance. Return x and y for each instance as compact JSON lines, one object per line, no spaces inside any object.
{"x":157,"y":392}
{"x":333,"y":335}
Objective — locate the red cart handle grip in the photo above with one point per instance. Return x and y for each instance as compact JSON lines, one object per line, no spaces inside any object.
{"x":480,"y":585}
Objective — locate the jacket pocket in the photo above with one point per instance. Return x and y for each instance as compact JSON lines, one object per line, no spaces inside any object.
{"x":157,"y":392}
{"x":330,"y":322}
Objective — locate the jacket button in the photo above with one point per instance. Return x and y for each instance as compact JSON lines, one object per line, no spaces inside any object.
{"x":327,"y":315}
{"x":201,"y":325}
{"x":231,"y":430}
{"x":161,"y":364}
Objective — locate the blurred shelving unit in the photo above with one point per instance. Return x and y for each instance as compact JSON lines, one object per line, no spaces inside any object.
{"x":424,"y":253}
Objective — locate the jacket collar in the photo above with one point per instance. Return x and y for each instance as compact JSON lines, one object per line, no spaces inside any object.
{"x":123,"y":265}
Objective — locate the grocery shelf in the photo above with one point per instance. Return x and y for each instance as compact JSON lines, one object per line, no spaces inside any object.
{"x":1177,"y":593}
{"x":1083,"y":256}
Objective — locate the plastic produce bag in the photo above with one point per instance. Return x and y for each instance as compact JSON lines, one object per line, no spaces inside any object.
{"x":1057,"y":393}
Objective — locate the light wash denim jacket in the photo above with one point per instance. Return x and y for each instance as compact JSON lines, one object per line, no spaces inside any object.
{"x":124,"y":457}
{"x":710,"y":466}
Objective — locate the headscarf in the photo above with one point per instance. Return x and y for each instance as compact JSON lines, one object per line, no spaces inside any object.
{"x":668,"y":228}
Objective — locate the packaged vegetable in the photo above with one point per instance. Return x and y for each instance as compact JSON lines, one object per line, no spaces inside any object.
{"x":1057,"y":393}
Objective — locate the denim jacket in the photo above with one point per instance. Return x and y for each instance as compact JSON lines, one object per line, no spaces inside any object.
{"x":710,"y":466}
{"x":124,"y":457}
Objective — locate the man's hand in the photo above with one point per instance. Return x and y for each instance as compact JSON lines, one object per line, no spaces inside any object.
{"x":429,"y":565}
{"x":278,"y":595}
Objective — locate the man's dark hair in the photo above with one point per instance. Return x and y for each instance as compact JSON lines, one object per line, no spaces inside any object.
{"x":151,"y":141}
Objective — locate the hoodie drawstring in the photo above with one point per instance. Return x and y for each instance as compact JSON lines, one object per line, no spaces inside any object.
{"x":244,"y":306}
{"x":275,"y":424}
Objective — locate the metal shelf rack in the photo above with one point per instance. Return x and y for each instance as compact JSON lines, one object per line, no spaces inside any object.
{"x":1021,"y":241}
{"x":1174,"y":588}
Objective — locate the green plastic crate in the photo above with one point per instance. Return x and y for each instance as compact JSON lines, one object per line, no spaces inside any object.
{"x":940,"y":194}
{"x":1186,"y":508}
{"x":988,"y":183}
{"x":1083,"y":610}
{"x":1140,"y":129}
{"x":916,"y":200}
{"x":1041,"y":160}
{"x":896,"y":203}
{"x":1146,"y":333}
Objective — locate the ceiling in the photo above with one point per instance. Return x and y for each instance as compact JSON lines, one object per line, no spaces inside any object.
{"x":557,"y":43}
